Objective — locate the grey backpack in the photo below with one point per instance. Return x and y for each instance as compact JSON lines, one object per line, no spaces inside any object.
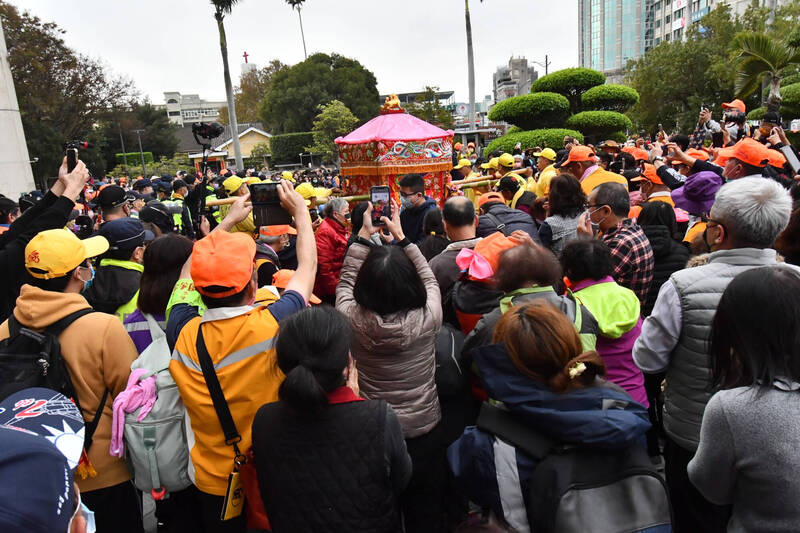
{"x":157,"y":449}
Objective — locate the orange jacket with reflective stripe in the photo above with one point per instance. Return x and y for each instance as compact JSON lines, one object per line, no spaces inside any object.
{"x":241,"y":343}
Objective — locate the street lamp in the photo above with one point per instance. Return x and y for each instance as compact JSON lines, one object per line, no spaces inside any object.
{"x":546,"y":64}
{"x":141,"y":153}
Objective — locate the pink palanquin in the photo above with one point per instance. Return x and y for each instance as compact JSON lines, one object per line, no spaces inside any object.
{"x":391,"y":145}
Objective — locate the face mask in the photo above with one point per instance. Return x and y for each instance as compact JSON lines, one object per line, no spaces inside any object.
{"x":406,"y":202}
{"x":87,"y":284}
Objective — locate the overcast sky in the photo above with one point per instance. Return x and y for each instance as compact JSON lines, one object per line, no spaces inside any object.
{"x":173,"y":45}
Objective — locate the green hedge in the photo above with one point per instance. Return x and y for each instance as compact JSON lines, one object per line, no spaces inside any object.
{"x":599,"y":122}
{"x":790,"y":103}
{"x":757,"y":113}
{"x":618,"y":136}
{"x":134,"y":158}
{"x":553,"y":138}
{"x":610,"y":98}
{"x":570,"y":82}
{"x":529,"y":111}
{"x":286,"y":148}
{"x":514,"y":129}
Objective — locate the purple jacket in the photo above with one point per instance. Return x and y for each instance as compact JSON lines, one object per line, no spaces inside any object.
{"x":617,"y":311}
{"x":139,"y":331}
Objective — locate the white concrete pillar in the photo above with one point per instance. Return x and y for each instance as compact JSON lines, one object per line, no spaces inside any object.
{"x":15,"y":169}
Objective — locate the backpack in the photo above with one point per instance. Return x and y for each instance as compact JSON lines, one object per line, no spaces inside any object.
{"x":581,"y":489}
{"x":452,"y":373}
{"x":31,"y":358}
{"x":156,"y":448}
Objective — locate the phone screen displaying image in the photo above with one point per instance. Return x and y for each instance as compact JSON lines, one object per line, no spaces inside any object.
{"x":264,"y":194}
{"x":267,"y":209}
{"x":380,"y":197}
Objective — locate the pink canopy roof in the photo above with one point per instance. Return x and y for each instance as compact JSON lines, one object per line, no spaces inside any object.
{"x":394,"y":127}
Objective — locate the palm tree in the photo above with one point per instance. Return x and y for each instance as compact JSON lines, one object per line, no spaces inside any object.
{"x":470,"y":66}
{"x":761,"y":56}
{"x":222,"y":8}
{"x":296,"y":5}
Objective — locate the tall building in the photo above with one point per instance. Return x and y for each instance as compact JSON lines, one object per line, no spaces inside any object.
{"x":614,"y":31}
{"x":611,"y":33}
{"x":513,"y":79}
{"x":189,"y":108}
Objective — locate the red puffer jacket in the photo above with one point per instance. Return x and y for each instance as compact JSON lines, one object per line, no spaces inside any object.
{"x":331,"y":246}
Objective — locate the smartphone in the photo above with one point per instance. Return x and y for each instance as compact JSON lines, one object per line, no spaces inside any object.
{"x":314,"y":214}
{"x":716,"y":139}
{"x":790,"y":156}
{"x":381,"y":199}
{"x":267,"y":209}
{"x":72,"y":159}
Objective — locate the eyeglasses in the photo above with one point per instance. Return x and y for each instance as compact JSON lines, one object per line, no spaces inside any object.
{"x":407,"y":194}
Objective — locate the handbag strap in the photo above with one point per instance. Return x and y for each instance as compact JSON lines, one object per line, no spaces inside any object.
{"x":232,"y":437}
{"x":155,"y":330}
{"x":499,"y":226}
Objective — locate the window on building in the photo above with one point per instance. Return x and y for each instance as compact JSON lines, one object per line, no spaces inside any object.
{"x":172,"y":101}
{"x":657,"y":6}
{"x":667,"y":19}
{"x":667,"y":37}
{"x":677,"y":34}
{"x":174,"y":113}
{"x":679,"y":13}
{"x":658,"y":23}
{"x":658,"y":41}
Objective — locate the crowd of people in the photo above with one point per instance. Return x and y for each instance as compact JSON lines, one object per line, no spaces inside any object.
{"x":612,"y":316}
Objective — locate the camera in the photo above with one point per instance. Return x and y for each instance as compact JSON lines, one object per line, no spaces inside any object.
{"x":207,"y":130}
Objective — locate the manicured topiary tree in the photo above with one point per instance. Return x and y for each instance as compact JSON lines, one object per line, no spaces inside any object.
{"x":599,"y":123}
{"x":610,"y":98}
{"x":536,"y":110}
{"x":597,"y":110}
{"x":554,"y":138}
{"x":570,"y":82}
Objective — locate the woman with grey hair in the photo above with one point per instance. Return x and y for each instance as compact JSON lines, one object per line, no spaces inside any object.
{"x":331,"y":239}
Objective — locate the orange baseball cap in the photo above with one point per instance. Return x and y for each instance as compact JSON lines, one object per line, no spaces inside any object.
{"x":277,"y":231}
{"x":747,"y":151}
{"x":702,"y":155}
{"x":281,"y":279}
{"x":736,"y":104}
{"x":640,"y":154}
{"x":649,"y":174}
{"x":223,"y":260}
{"x":490,"y":197}
{"x":578,"y":154}
{"x":776,"y":159}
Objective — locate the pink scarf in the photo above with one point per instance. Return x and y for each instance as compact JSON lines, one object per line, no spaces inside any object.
{"x":138,"y":393}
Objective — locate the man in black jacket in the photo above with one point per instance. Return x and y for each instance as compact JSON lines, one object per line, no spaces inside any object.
{"x":414,"y":205}
{"x":116,"y":283}
{"x":51,"y":212}
{"x":497,"y":216}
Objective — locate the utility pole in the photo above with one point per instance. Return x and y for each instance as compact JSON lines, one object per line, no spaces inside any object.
{"x":141,"y":153}
{"x":124,"y":154}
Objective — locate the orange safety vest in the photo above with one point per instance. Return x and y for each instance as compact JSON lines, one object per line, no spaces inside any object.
{"x":241,"y":343}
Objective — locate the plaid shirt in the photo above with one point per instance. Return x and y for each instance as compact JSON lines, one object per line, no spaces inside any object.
{"x":633,"y":257}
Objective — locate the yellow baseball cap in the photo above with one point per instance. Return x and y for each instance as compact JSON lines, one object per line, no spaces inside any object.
{"x":232,"y":184}
{"x":252,"y":180}
{"x":506,"y":160}
{"x":288,"y":176}
{"x":56,"y":252}
{"x":491,"y":164}
{"x":463,"y":163}
{"x":306,"y":190}
{"x":547,"y":153}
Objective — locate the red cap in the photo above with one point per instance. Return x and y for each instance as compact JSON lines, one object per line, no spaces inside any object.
{"x":649,"y":174}
{"x":223,"y":259}
{"x":747,"y":151}
{"x":640,"y":154}
{"x":579,"y":154}
{"x":490,"y":197}
{"x":702,"y":155}
{"x":736,"y":104}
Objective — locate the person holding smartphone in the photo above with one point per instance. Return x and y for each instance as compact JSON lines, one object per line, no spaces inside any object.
{"x":331,"y":240}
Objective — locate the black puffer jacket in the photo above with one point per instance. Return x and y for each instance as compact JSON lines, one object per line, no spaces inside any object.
{"x":670,"y":256}
{"x":513,"y":219}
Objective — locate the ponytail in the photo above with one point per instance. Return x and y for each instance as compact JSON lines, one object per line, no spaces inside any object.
{"x":302,"y":391}
{"x":579,"y":372}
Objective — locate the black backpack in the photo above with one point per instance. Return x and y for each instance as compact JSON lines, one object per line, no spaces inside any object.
{"x":30,"y":358}
{"x":580,"y":489}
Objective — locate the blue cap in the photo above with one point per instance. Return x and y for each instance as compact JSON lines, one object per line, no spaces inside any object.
{"x":41,"y":441}
{"x":124,"y":233}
